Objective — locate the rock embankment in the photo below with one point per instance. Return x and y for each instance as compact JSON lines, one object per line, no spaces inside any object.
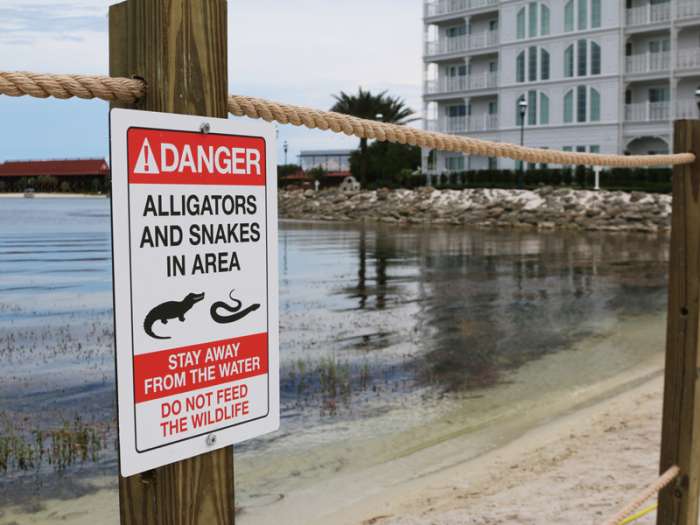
{"x":544,"y":208}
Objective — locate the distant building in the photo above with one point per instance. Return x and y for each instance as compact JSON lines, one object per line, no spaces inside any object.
{"x":331,"y":160}
{"x":604,"y":76}
{"x":50,"y":175}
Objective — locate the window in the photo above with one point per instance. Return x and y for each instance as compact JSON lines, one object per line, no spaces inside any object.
{"x":493,"y":67}
{"x":595,"y":105}
{"x":582,"y":14}
{"x":454,"y":163}
{"x":628,"y":96}
{"x":595,"y":59}
{"x":569,"y":61}
{"x":569,"y":16}
{"x":659,"y":94}
{"x":493,"y":108}
{"x":544,"y":109}
{"x":493,"y":25}
{"x":581,"y":104}
{"x":544,"y":64}
{"x":520,"y":67}
{"x":582,"y":56}
{"x":532,"y":108}
{"x":521,"y":24}
{"x":594,"y":149}
{"x":569,"y":107}
{"x":596,"y":14}
{"x":456,"y":111}
{"x":455,"y":31}
{"x":532,"y":64}
{"x":493,"y":163}
{"x":544,"y":20}
{"x":532,"y":24}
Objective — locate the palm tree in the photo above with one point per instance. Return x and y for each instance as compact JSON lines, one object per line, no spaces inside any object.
{"x":373,"y":107}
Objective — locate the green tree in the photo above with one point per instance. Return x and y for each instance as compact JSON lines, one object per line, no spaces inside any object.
{"x":388,"y":164}
{"x":284,"y":170}
{"x":369,"y":106}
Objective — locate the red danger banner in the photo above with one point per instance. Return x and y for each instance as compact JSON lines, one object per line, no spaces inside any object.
{"x":184,"y":157}
{"x":179,"y":370}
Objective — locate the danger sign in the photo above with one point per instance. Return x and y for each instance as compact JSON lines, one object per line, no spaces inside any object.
{"x":194,"y":222}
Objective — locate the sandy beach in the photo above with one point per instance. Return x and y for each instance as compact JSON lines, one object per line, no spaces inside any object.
{"x":587,"y":450}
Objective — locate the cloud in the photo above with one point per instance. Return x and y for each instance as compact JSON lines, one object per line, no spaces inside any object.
{"x":295,"y":51}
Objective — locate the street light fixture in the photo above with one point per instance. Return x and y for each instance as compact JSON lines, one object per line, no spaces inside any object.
{"x":697,"y":97}
{"x":522,"y":107}
{"x":285,"y":146}
{"x":379,"y":116}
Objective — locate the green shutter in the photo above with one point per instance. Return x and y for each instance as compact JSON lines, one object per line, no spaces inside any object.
{"x":595,"y":105}
{"x":569,"y":16}
{"x":520,"y":67}
{"x":596,"y":14}
{"x":544,"y":109}
{"x":521,"y":24}
{"x":544,"y":24}
{"x":544,"y":64}
{"x":533,"y":19}
{"x":532,"y":108}
{"x":569,"y":61}
{"x":582,"y":14}
{"x":569,"y":107}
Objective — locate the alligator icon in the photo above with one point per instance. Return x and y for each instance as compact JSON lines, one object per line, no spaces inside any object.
{"x":235,"y":311}
{"x":170,"y":310}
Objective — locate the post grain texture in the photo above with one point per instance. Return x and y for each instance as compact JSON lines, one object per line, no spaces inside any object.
{"x":680,"y":437}
{"x":178,"y":47}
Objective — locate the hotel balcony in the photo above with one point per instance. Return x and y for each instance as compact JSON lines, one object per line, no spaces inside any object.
{"x":447,"y":7}
{"x":661,"y":111}
{"x":464,"y":124}
{"x":687,"y":9}
{"x":688,"y":59}
{"x":648,"y":14}
{"x":648,"y":63}
{"x":446,"y":85}
{"x":461,"y":43}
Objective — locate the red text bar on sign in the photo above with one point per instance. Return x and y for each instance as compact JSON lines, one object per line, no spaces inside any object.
{"x":184,"y":157}
{"x":178,"y":370}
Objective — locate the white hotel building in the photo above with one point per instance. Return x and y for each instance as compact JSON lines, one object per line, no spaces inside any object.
{"x":603,"y":76}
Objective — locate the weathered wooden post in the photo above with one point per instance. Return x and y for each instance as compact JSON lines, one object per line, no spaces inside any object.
{"x":680,"y":439}
{"x":178,"y":47}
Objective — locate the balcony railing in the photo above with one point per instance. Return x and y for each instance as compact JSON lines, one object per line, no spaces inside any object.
{"x":461,"y":43}
{"x":688,"y":9}
{"x":648,"y":111}
{"x":649,"y":14}
{"x":648,"y":62}
{"x":444,"y":7}
{"x":688,"y":59}
{"x":475,"y":123}
{"x":459,"y":84}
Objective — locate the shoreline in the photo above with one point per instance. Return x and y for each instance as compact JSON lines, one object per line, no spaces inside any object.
{"x":580,"y":447}
{"x":545,"y":208}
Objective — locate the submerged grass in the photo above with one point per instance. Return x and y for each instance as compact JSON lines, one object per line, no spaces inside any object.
{"x":71,"y":443}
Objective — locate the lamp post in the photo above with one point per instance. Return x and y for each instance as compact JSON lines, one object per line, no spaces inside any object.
{"x":522,"y":107}
{"x":285,"y":146}
{"x":697,"y":97}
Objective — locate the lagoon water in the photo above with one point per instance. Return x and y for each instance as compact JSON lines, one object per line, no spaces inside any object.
{"x":392,"y":340}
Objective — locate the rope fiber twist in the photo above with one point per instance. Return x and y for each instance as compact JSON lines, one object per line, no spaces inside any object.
{"x":129,"y":90}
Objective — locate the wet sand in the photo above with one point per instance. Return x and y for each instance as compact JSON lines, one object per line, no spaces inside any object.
{"x":571,"y":456}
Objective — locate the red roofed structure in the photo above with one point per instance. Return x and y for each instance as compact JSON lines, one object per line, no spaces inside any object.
{"x":52,"y":175}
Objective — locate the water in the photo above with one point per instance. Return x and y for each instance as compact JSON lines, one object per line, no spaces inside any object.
{"x":392,"y":339}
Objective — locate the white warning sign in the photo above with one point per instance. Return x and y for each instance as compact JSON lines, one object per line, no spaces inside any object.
{"x":194,"y":227}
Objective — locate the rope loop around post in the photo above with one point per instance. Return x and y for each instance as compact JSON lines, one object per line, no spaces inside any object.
{"x":128,"y":90}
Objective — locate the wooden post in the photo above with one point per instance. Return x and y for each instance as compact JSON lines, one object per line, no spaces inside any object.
{"x":680,"y":437}
{"x":179,"y":48}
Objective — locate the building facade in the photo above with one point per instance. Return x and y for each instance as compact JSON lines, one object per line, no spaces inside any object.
{"x":606,"y":76}
{"x":55,"y":175}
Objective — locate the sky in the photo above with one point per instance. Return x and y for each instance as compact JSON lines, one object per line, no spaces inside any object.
{"x":293,"y":51}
